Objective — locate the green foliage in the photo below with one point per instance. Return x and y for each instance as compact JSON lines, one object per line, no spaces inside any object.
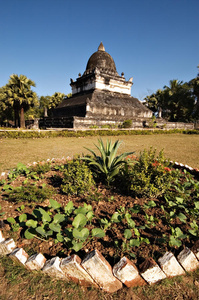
{"x":176,"y":101}
{"x":149,"y":176}
{"x":194,"y":229}
{"x":152,"y":122}
{"x":28,"y":193}
{"x":28,"y":172}
{"x":79,"y":133}
{"x":127,"y":124}
{"x":2,"y":213}
{"x":47,"y":103}
{"x":17,"y":94}
{"x":21,"y":169}
{"x":77,"y":178}
{"x":108,"y":164}
{"x":66,"y":225}
{"x":41,"y":168}
{"x":176,"y":209}
{"x":176,"y":237}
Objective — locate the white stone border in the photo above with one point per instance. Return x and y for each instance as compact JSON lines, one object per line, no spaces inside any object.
{"x":94,"y":269}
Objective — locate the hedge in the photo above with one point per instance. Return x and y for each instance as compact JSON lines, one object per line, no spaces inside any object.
{"x":16,"y":134}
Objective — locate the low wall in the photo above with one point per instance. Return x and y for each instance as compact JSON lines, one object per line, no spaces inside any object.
{"x":174,"y":125}
{"x":87,"y":122}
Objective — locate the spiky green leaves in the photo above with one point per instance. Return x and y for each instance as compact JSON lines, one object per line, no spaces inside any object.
{"x":108,"y":163}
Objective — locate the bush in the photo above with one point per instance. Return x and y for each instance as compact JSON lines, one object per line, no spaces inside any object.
{"x":83,"y":133}
{"x":149,"y":176}
{"x":127,"y":124}
{"x":29,"y":193}
{"x":41,"y":168}
{"x":78,"y":178}
{"x":108,"y":164}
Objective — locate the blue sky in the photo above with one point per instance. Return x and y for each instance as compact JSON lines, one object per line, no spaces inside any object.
{"x":50,"y":41}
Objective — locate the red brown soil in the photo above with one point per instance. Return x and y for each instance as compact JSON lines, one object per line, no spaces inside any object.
{"x":105,"y":202}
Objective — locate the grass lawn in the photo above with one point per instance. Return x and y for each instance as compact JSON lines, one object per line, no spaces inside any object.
{"x":179,"y":147}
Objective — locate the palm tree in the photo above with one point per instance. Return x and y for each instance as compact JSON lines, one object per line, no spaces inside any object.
{"x":19,"y":95}
{"x":194,"y":83}
{"x":180,"y":101}
{"x":56,"y":99}
{"x":50,"y":102}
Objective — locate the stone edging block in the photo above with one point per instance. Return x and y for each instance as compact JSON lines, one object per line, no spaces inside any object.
{"x":195,"y":249}
{"x":71,"y":266}
{"x":36,"y":262}
{"x":188,"y":260}
{"x":128,"y":273}
{"x":101,"y":271}
{"x":170,"y":265}
{"x":52,"y":268}
{"x":7,"y":246}
{"x":2,"y":239}
{"x":20,"y":255}
{"x":151,"y":272}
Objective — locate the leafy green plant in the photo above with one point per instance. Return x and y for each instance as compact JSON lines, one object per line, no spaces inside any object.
{"x":21,"y":208}
{"x":149,"y":176}
{"x":176,"y":237}
{"x":131,"y":235}
{"x":184,"y":186}
{"x":14,"y":225}
{"x":194,"y":229}
{"x":152,"y":122}
{"x":77,"y":178}
{"x":127,"y":124}
{"x":21,"y":169}
{"x":108,"y":164}
{"x":68,"y":225}
{"x":41,"y":168}
{"x":29,"y":193}
{"x":2,"y":182}
{"x":1,"y":213}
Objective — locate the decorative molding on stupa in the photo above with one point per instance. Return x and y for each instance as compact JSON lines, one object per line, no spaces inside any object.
{"x":101,"y":74}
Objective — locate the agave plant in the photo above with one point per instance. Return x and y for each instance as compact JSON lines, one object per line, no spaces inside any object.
{"x":108,"y":164}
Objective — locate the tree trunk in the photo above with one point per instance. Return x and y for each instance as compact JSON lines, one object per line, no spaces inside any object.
{"x":159,"y":112}
{"x":17,"y":119}
{"x":22,"y":118}
{"x":45,"y":112}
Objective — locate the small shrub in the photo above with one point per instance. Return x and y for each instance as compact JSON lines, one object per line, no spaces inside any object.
{"x":108,"y":164}
{"x":41,"y":168}
{"x":29,"y":193}
{"x":127,"y":124}
{"x":149,"y":176}
{"x":21,"y":169}
{"x":78,"y":178}
{"x":152,"y":122}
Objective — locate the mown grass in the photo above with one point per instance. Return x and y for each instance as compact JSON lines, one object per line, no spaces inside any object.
{"x":177,"y":147}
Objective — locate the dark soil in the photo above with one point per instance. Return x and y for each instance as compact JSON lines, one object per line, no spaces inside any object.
{"x":105,"y":202}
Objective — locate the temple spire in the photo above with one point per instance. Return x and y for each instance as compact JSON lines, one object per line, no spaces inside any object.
{"x":101,"y":47}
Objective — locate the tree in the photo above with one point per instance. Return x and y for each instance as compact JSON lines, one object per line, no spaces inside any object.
{"x":179,"y":101}
{"x":44,"y":104}
{"x":5,"y":111}
{"x":50,"y":102}
{"x":18,"y":95}
{"x":155,"y":102}
{"x":194,"y":85}
{"x":176,"y":101}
